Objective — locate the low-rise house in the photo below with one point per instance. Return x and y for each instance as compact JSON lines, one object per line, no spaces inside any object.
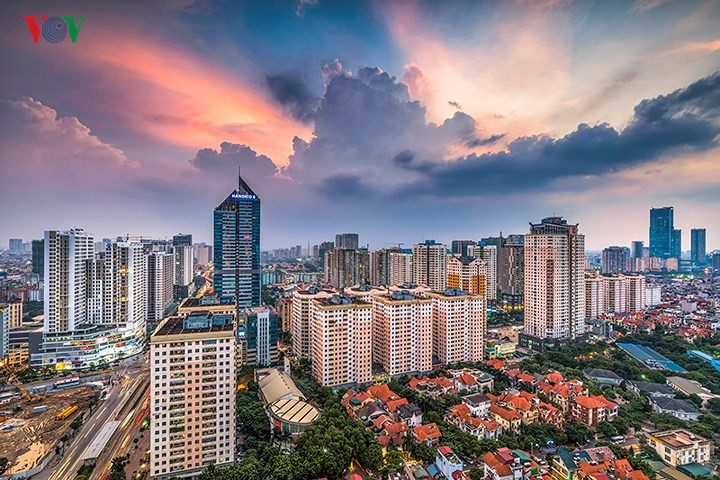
{"x":369,"y":413}
{"x":593,"y":409}
{"x":382,"y":393}
{"x":509,"y":420}
{"x":690,"y":387}
{"x":506,"y":464}
{"x":447,"y":462}
{"x":353,"y":400}
{"x":652,"y":389}
{"x":603,"y":377}
{"x":478,"y":403}
{"x":675,"y":407}
{"x":680,"y":447}
{"x":429,"y":433}
{"x":486,"y":427}
{"x":410,"y":414}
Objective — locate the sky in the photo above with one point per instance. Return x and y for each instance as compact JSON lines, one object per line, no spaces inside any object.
{"x":401,"y":121}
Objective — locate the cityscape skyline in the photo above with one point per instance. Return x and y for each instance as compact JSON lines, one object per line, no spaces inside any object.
{"x":152,"y":149}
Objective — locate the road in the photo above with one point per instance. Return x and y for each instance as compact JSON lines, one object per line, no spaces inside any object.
{"x":66,"y":465}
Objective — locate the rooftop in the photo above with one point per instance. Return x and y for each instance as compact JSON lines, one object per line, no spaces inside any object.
{"x":192,"y":324}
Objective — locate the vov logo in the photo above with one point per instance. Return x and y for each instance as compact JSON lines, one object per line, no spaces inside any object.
{"x":53,"y":29}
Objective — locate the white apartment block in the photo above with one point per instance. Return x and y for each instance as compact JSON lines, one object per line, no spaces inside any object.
{"x":341,"y":340}
{"x":401,"y":268}
{"x":615,"y":293}
{"x":487,"y":253}
{"x":66,"y":256}
{"x":301,"y":305}
{"x":183,"y":264}
{"x":429,"y":265}
{"x":124,"y":289}
{"x":160,"y":270}
{"x":192,"y":396}
{"x":554,"y":280}
{"x":402,"y":333}
{"x":653,"y":295}
{"x":13,"y":313}
{"x":458,"y":326}
{"x":469,"y":274}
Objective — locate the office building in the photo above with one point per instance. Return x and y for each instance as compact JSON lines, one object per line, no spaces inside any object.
{"x":614,"y":260}
{"x":402,"y":333}
{"x":662,"y":226}
{"x":341,"y":340}
{"x":203,"y":254}
{"x":38,"y":257}
{"x":430,"y":264}
{"x":487,"y":253}
{"x":184,"y":263}
{"x":697,"y":246}
{"x":347,"y":240}
{"x":65,"y":258}
{"x":458,"y":326}
{"x":468,"y":274}
{"x":301,"y":306}
{"x":345,"y":267}
{"x":716,"y":261}
{"x":511,"y":266}
{"x":677,"y":244}
{"x":192,"y":395}
{"x":554,"y":280}
{"x":636,"y":249}
{"x":258,"y":336}
{"x":460,"y":247}
{"x":400,"y":268}
{"x":160,"y":273}
{"x":236,"y":254}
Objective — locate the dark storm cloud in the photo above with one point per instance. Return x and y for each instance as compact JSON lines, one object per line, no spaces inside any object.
{"x":291,"y":93}
{"x":685,"y":120}
{"x":347,"y":186}
{"x":230,"y":157}
{"x":479,"y":142}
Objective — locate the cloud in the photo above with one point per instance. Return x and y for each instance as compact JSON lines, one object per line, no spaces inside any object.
{"x":333,"y":69}
{"x":230,"y":157}
{"x":49,"y":139}
{"x":481,"y":142}
{"x":291,"y":93}
{"x":647,"y":5}
{"x":687,"y":120}
{"x":300,"y":7}
{"x":454,"y":104}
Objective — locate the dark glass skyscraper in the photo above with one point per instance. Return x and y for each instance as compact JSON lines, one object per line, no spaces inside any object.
{"x":661,"y":232}
{"x":677,"y":243}
{"x":697,"y":246}
{"x":236,"y":256}
{"x":636,"y":251}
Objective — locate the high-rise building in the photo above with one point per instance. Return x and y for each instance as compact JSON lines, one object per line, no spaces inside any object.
{"x":636,"y":250}
{"x":460,"y":247}
{"x":13,"y":312}
{"x":345,"y":267}
{"x":236,"y":254}
{"x":301,"y":304}
{"x":615,"y":293}
{"x":38,"y":257}
{"x":322,"y":248}
{"x":716,"y":261}
{"x":614,"y":260}
{"x":258,"y":336}
{"x":554,"y":280}
{"x":468,"y":274}
{"x":182,"y":239}
{"x":16,"y":245}
{"x":380,"y":266}
{"x":160,"y":270}
{"x":341,"y":340}
{"x":487,"y":253}
{"x":203,"y":254}
{"x":697,"y":246}
{"x":402,"y":333}
{"x":66,"y":255}
{"x":430,"y":264}
{"x":458,"y":326}
{"x":347,"y":240}
{"x":662,"y":225}
{"x":125,"y":287}
{"x":677,"y":244}
{"x":192,"y":395}
{"x":4,"y":334}
{"x":183,"y":275}
{"x":401,"y":268}
{"x":595,"y":303}
{"x":511,"y":266}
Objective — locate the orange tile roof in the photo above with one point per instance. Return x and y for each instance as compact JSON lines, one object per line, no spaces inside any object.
{"x":428,"y":431}
{"x":492,"y":462}
{"x":395,"y":428}
{"x":504,"y":413}
{"x":468,"y":380}
{"x":393,"y":404}
{"x":382,"y":392}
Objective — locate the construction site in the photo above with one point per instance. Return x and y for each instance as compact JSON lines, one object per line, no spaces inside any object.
{"x":32,"y":426}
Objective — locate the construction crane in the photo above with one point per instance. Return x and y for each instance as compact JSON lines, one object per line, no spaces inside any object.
{"x":16,"y":381}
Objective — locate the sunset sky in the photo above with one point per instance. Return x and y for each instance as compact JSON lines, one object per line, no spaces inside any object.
{"x":397,"y":120}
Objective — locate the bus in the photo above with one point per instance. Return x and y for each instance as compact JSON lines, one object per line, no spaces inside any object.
{"x":66,"y":383}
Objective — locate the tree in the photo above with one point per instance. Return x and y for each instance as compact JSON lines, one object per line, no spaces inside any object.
{"x":476,"y":473}
{"x":577,"y":432}
{"x":4,"y":464}
{"x":606,"y":429}
{"x":714,"y":405}
{"x":117,"y":468}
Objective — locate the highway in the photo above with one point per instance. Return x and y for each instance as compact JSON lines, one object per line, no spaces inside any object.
{"x":119,"y":398}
